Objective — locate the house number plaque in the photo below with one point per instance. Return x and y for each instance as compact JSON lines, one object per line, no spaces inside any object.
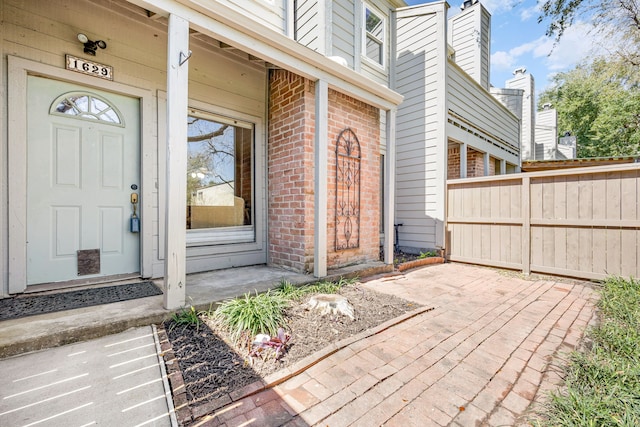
{"x":89,"y":67}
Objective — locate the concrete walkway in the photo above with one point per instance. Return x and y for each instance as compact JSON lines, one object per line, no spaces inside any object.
{"x":112,"y":381}
{"x":488,"y":350}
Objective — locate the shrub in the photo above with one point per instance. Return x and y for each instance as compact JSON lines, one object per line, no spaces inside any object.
{"x":257,"y":314}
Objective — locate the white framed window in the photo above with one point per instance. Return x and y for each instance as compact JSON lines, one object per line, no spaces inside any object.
{"x":220,"y":180}
{"x":86,"y":106}
{"x":373,"y":35}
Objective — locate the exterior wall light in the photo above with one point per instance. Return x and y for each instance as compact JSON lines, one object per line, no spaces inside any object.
{"x":90,"y":46}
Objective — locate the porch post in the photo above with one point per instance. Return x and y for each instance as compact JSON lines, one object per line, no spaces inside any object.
{"x":463,"y":160}
{"x":176,"y":198}
{"x":390,"y":186}
{"x":503,"y":167}
{"x":485,"y":159}
{"x":320,"y":179}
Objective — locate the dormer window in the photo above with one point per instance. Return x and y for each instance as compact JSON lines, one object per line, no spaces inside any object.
{"x":373,"y":37}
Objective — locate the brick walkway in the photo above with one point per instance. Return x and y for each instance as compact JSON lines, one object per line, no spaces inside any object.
{"x":481,"y":357}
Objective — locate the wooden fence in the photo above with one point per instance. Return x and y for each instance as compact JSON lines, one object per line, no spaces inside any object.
{"x":578,"y":222}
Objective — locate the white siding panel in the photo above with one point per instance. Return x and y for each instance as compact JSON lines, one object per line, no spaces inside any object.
{"x":44,"y":31}
{"x":344,"y":27}
{"x":271,"y":13}
{"x":306,"y":26}
{"x":420,"y":50}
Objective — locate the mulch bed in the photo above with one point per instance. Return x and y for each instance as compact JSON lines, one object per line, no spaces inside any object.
{"x":214,"y":373}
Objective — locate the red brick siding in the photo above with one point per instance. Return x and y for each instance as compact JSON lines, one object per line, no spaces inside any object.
{"x":291,"y":173}
{"x":492,"y":166}
{"x":475,"y":163}
{"x":453,"y":163}
{"x":364,"y":121}
{"x":290,"y":170}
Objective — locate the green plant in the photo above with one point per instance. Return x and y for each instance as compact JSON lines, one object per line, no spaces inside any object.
{"x":256,"y":314}
{"x":603,"y":382}
{"x":289,"y":290}
{"x":326,"y":287}
{"x":427,"y":254}
{"x":292,"y":292}
{"x":186,"y":317}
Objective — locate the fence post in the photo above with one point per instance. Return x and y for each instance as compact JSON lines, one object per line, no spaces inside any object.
{"x":526,"y":225}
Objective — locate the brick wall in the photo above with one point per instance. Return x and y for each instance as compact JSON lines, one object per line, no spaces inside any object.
{"x":291,"y":173}
{"x":475,"y":163}
{"x":363,"y":120}
{"x":453,"y":163}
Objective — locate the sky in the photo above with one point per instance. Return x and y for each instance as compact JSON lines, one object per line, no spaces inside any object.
{"x":517,"y":40}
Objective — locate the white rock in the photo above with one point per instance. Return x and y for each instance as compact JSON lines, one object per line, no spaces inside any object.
{"x":260,"y":338}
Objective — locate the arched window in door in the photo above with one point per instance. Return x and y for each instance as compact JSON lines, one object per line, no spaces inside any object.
{"x":347,"y":190}
{"x":86,"y":106}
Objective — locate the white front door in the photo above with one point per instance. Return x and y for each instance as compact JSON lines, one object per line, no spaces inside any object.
{"x":83,"y":161}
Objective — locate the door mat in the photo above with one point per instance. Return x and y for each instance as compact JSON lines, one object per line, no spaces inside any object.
{"x":23,"y":306}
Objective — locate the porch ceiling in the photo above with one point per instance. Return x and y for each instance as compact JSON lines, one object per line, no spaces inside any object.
{"x":228,"y":27}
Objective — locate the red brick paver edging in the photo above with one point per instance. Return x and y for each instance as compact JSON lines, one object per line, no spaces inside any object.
{"x":420,"y":262}
{"x":187,"y":413}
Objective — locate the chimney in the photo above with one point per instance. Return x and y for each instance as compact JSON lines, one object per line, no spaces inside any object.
{"x":468,"y":3}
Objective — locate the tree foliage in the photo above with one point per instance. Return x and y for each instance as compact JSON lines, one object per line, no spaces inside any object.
{"x":600,"y":104}
{"x":618,"y":20}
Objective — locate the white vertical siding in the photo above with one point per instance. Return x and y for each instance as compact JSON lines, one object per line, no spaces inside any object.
{"x":271,"y":13}
{"x":43,"y":31}
{"x":546,"y":133}
{"x":510,"y":98}
{"x":344,"y":30}
{"x":485,"y":48}
{"x":526,"y":83}
{"x":4,"y":224}
{"x":420,"y":141}
{"x":469,"y":34}
{"x":307,"y":27}
{"x":463,"y":41}
{"x":467,"y":99}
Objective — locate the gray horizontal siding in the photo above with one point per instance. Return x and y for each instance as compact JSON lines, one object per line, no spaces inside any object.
{"x":419,"y":169}
{"x":467,"y":99}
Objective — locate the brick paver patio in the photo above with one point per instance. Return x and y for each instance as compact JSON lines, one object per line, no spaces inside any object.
{"x":487,"y":352}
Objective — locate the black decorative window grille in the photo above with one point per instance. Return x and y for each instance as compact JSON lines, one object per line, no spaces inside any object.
{"x":347,"y":191}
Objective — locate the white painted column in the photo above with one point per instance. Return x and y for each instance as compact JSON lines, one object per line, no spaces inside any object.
{"x":463,"y":160}
{"x":176,"y":197}
{"x":390,"y":187}
{"x":486,"y":159}
{"x":503,"y":167}
{"x":320,"y":180}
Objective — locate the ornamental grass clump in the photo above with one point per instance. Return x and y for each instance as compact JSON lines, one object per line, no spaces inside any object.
{"x":292,"y":292}
{"x":186,"y":317}
{"x":255,"y":314}
{"x":602,"y":385}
